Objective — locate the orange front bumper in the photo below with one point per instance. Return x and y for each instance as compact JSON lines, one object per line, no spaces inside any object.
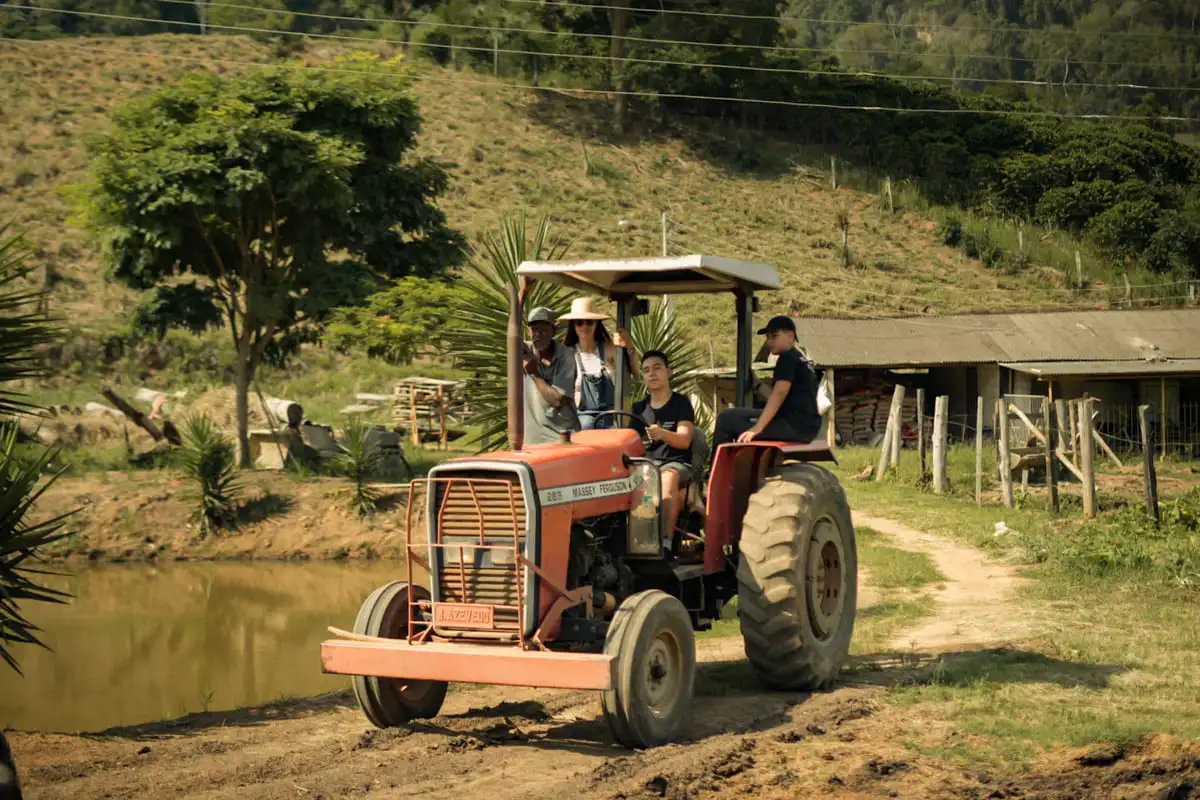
{"x":468,"y":663}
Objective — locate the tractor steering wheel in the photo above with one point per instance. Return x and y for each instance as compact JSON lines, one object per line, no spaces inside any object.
{"x":645,"y":439}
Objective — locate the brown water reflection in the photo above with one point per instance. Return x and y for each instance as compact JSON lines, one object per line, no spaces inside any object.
{"x":145,"y":643}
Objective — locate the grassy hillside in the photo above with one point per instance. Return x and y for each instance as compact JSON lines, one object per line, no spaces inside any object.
{"x":515,"y":148}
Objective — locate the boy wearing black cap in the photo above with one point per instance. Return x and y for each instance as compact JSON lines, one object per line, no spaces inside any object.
{"x":790,"y":414}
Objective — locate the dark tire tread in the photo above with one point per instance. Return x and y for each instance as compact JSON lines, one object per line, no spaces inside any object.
{"x":778,"y":638}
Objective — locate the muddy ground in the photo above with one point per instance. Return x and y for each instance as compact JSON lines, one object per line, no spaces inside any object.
{"x":499,"y":742}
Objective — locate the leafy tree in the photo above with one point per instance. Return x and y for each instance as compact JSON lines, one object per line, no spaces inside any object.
{"x":252,"y":184}
{"x":397,"y":322}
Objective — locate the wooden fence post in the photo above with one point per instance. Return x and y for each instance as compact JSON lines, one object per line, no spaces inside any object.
{"x":833,"y":171}
{"x":1087,"y":457}
{"x":897,"y":435}
{"x":893,"y":429}
{"x":979,"y":451}
{"x":921,"y":431}
{"x":1051,"y":479}
{"x":1005,"y":460}
{"x":1148,"y":471}
{"x":940,"y":427}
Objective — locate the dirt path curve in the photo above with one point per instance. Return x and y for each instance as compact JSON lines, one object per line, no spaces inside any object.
{"x":497,"y":742}
{"x":976,"y":607}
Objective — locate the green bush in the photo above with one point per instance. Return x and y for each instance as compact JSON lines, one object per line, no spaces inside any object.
{"x":208,"y":459}
{"x":950,"y":231}
{"x":360,"y":461}
{"x":1126,"y":543}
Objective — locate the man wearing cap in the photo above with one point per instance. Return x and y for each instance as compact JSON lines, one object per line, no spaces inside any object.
{"x":790,"y":414}
{"x":549,"y":381}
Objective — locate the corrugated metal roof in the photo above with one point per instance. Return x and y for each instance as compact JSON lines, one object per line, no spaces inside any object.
{"x":1132,"y":335}
{"x":1057,"y":369}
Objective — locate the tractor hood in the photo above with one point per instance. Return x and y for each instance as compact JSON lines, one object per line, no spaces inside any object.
{"x":590,"y":459}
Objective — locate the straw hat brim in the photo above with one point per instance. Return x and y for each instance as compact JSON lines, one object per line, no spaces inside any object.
{"x":583,"y":315}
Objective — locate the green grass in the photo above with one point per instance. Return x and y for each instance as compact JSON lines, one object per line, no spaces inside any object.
{"x":1113,"y":657}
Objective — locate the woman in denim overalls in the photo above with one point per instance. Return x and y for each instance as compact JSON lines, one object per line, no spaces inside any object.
{"x":595,"y":355}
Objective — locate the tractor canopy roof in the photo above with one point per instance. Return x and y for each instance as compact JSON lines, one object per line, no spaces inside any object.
{"x":688,"y":274}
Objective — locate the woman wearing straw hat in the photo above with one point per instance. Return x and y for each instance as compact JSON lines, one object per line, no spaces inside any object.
{"x":595,"y":360}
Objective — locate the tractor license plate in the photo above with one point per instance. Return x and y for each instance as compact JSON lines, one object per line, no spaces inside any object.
{"x":463,"y":615}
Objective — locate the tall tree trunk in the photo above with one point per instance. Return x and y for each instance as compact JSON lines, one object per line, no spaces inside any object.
{"x":618,"y":18}
{"x":242,"y":390}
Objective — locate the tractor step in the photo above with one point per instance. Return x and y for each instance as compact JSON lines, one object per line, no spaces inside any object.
{"x":467,"y":663}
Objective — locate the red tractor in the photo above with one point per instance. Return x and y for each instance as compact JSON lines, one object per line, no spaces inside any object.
{"x":547,"y":567}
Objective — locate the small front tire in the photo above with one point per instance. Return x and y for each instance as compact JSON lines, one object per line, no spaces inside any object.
{"x":654,"y":649}
{"x":389,"y":702}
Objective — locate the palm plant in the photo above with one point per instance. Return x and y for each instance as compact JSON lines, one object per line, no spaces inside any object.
{"x":209,"y":460}
{"x":21,"y":333}
{"x":22,"y":330}
{"x":360,"y":461}
{"x":477,"y":338}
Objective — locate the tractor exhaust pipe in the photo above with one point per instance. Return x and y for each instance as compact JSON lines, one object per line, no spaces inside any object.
{"x":516,"y":378}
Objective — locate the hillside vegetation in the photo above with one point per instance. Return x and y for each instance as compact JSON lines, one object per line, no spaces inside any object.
{"x":512,"y":148}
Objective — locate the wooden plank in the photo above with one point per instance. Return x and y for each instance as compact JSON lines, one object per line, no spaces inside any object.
{"x":1005,"y":457}
{"x":893,"y":429}
{"x":1087,"y":458}
{"x":1107,"y":450}
{"x":940,"y":407}
{"x":1051,"y":479}
{"x":1069,"y":464}
{"x":1148,"y":471}
{"x":1028,"y":423}
{"x":979,"y":451}
{"x":921,"y":431}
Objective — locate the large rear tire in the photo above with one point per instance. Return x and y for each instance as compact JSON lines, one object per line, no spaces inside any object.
{"x":388,"y":702}
{"x":797,"y":578}
{"x":654,"y":649}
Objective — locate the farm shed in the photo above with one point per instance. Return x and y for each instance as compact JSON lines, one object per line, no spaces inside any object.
{"x":1122,"y":357}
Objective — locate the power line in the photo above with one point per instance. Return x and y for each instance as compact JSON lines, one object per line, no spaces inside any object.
{"x":688,"y":96}
{"x":588,"y":35}
{"x":998,"y":28}
{"x":598,"y":57}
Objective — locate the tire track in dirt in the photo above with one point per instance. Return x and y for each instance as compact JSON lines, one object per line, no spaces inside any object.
{"x":977,"y":605}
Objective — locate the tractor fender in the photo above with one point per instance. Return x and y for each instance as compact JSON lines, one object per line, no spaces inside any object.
{"x":739,"y":469}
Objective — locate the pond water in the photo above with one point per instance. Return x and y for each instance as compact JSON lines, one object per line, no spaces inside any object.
{"x":145,"y":643}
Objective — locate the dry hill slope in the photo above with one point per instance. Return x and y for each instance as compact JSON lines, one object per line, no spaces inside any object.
{"x":512,"y":149}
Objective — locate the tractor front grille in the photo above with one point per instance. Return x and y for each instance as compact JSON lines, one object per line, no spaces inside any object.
{"x":477,"y":521}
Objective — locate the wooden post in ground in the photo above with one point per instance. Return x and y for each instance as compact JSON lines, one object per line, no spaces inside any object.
{"x":1072,"y":412}
{"x":831,"y":429}
{"x":833,"y":171}
{"x":1148,"y":471}
{"x":1005,"y":461}
{"x":1162,"y":413}
{"x":921,"y":431}
{"x":891,"y":202}
{"x":412,"y":406}
{"x":897,"y":437}
{"x":1087,"y":457}
{"x":442,"y":432}
{"x":893,"y":429}
{"x":1051,"y":480}
{"x":940,"y":406}
{"x":979,"y":451}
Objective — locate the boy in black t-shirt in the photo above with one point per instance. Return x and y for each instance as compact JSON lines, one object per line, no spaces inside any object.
{"x":666,"y":418}
{"x":790,"y":414}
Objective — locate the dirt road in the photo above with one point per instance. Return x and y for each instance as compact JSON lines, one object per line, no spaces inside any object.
{"x":500,"y":743}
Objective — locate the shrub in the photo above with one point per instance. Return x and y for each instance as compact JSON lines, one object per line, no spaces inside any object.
{"x":360,"y":461}
{"x":209,"y":461}
{"x":950,"y":231}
